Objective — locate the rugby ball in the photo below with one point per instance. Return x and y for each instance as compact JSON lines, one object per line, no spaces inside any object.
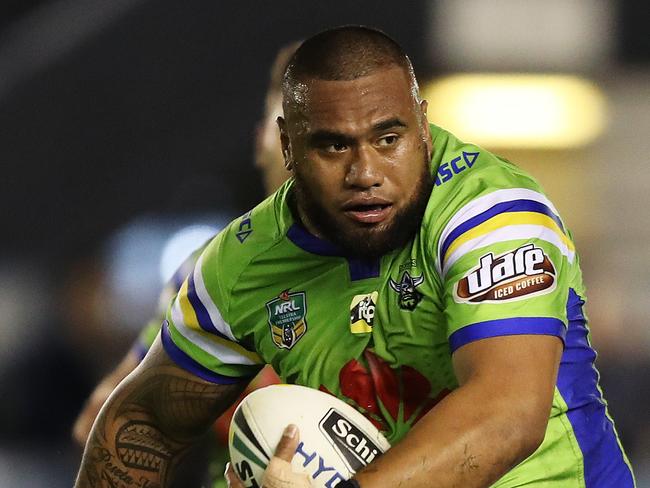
{"x":335,"y":439}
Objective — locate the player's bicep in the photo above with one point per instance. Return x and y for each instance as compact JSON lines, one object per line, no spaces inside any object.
{"x":527,"y":359}
{"x":183,"y":403}
{"x":520,"y":369}
{"x":149,"y":421}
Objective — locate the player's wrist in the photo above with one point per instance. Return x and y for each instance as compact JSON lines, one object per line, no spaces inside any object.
{"x":351,"y":483}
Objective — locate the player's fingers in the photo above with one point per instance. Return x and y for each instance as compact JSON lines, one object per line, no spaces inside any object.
{"x":88,"y":414}
{"x":81,"y":429}
{"x":288,"y":443}
{"x":279,"y":474}
{"x":231,"y":478}
{"x":84,"y":422}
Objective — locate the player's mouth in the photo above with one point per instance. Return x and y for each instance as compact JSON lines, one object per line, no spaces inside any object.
{"x":368,"y":211}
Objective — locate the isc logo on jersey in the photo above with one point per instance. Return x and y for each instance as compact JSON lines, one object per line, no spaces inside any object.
{"x":516,"y":274}
{"x":355,"y":448}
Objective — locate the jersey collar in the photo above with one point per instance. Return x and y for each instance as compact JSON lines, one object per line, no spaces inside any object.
{"x":307,"y":241}
{"x":360,"y":269}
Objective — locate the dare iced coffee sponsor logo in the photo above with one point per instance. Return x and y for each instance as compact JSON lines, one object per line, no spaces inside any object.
{"x":520,"y":273}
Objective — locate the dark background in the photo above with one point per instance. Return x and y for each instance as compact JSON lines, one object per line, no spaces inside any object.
{"x":111,"y":111}
{"x":155,"y":112}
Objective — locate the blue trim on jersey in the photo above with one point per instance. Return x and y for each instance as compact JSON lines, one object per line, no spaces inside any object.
{"x":506,"y":327}
{"x":306,"y":241}
{"x":360,"y":269}
{"x":182,"y":359}
{"x":604,"y":464}
{"x":503,"y":207}
{"x":202,"y":315}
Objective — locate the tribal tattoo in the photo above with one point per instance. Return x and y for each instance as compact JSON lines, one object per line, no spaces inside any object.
{"x":142,"y":433}
{"x":141,"y":445}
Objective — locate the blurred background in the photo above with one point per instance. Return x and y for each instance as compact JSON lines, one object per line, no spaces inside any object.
{"x":127,"y":137}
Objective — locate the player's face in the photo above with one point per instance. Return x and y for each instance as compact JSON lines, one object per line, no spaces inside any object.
{"x":360,"y":151}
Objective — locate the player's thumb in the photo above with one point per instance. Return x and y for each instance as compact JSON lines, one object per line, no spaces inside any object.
{"x":288,"y":443}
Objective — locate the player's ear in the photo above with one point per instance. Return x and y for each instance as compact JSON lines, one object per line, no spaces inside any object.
{"x":286,"y":143}
{"x":424,"y":121}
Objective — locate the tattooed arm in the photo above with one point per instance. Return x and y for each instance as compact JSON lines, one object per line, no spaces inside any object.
{"x":148,"y":423}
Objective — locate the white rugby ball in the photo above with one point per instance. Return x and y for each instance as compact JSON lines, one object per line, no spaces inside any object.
{"x":335,"y":439}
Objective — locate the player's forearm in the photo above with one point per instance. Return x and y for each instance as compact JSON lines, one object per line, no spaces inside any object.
{"x":470,"y":439}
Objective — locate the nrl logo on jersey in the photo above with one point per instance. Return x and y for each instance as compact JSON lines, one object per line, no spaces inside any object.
{"x":287,"y":318}
{"x":516,"y":274}
{"x":409,"y":296}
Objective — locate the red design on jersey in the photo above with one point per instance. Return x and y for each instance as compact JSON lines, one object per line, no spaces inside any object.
{"x":416,"y":392}
{"x":386,"y":382}
{"x":366,"y":387}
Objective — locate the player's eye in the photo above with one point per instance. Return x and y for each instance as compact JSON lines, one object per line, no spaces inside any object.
{"x":336,"y":147}
{"x":387,"y":140}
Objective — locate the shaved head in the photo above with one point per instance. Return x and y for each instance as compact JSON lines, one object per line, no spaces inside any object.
{"x":356,"y":139}
{"x":342,"y":54}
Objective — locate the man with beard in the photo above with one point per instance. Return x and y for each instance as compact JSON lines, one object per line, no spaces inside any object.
{"x":484,"y":376}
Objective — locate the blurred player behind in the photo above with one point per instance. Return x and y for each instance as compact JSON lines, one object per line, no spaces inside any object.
{"x":268,"y":158}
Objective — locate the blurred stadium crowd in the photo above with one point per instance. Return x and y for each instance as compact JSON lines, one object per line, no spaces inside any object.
{"x":127,"y":137}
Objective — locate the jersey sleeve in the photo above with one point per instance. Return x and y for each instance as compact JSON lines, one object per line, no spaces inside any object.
{"x":196,"y":334}
{"x":505,"y":259}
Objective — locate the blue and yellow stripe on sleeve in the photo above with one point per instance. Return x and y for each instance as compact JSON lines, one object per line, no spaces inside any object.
{"x":197,"y":337}
{"x":500,"y":216}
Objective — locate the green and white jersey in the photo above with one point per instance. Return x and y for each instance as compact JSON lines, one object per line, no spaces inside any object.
{"x":491,"y":258}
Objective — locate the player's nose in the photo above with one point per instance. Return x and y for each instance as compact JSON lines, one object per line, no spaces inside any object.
{"x":365,"y":169}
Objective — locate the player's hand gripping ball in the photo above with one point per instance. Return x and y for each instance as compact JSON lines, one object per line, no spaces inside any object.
{"x":335,"y":439}
{"x":278,"y":473}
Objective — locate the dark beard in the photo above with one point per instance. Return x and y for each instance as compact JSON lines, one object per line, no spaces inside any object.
{"x":368,"y":241}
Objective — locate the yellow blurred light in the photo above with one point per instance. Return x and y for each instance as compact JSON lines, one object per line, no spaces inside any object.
{"x":518,"y":110}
